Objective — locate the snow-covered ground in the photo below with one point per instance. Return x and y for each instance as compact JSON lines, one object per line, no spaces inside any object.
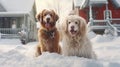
{"x":14,"y":54}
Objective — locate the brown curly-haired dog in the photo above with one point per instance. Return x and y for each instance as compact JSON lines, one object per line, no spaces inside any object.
{"x":48,"y":35}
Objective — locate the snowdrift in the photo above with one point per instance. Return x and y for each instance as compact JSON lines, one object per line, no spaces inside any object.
{"x":18,"y":55}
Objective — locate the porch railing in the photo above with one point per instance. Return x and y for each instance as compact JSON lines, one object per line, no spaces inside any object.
{"x":9,"y":32}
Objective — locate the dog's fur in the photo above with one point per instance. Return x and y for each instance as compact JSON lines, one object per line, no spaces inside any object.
{"x":74,"y":39}
{"x":48,"y":35}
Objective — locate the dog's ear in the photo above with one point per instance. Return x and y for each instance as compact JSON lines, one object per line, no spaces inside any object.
{"x":83,"y":26}
{"x":39,"y":16}
{"x":65,"y":25}
{"x":56,"y":17}
{"x":66,"y":29}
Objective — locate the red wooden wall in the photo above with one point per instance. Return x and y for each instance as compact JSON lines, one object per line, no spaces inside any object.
{"x":98,"y":12}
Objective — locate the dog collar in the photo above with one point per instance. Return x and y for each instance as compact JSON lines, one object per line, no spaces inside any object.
{"x":50,"y":33}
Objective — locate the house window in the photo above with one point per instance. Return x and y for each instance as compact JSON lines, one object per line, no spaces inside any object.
{"x":5,"y":22}
{"x":107,"y":14}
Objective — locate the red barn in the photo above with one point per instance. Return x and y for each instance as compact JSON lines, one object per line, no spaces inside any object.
{"x":100,"y":14}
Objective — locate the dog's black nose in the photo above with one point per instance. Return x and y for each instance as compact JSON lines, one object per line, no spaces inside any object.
{"x":72,"y":27}
{"x":48,"y":19}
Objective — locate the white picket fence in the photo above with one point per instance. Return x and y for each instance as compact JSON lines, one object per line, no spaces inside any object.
{"x":9,"y":33}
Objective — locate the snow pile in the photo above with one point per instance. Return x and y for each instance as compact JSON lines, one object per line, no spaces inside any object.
{"x":91,"y":35}
{"x":14,"y":54}
{"x":101,"y":38}
{"x":15,"y":59}
{"x":11,"y":59}
{"x":9,"y":41}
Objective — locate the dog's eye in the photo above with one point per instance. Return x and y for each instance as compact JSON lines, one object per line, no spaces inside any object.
{"x":69,"y":22}
{"x":50,"y":14}
{"x":45,"y":14}
{"x":76,"y":22}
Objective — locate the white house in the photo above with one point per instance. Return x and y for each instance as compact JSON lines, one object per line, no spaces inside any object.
{"x":22,"y":14}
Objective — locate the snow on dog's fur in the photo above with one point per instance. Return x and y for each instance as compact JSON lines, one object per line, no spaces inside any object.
{"x":74,"y":39}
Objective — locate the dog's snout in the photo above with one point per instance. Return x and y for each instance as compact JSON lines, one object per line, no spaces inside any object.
{"x":72,"y":27}
{"x":48,"y":19}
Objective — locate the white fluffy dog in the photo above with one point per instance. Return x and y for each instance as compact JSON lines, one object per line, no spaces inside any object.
{"x":74,"y":39}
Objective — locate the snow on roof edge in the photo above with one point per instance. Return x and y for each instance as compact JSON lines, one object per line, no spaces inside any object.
{"x":17,"y":5}
{"x":98,"y":1}
{"x":13,"y":14}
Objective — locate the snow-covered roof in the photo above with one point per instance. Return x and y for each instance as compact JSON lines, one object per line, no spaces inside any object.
{"x":13,"y":14}
{"x":81,"y":3}
{"x":17,"y":5}
{"x":116,"y":3}
{"x":77,"y":3}
{"x":2,"y":9}
{"x":84,"y":3}
{"x":98,"y":1}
